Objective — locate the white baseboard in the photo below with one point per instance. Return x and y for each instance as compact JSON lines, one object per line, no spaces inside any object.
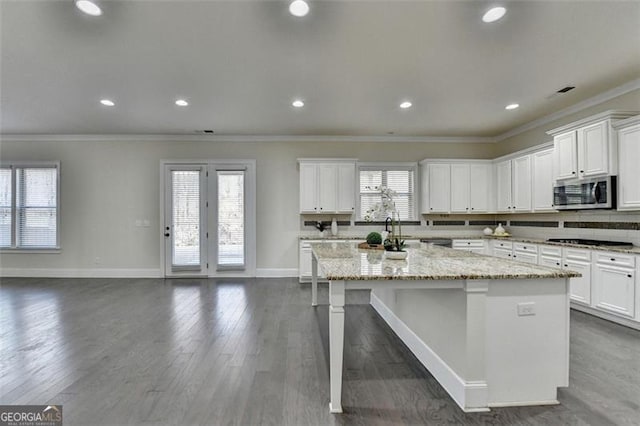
{"x":276,"y":272}
{"x":470,"y":396}
{"x":605,"y":315}
{"x":79,"y":273}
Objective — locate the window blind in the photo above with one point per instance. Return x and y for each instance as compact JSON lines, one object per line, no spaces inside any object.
{"x":185,"y":186}
{"x":400,"y":180}
{"x":6,"y":219}
{"x":231,"y":232}
{"x":36,"y":205}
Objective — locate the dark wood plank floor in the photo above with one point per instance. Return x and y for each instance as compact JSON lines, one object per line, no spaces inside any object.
{"x":224,"y":352}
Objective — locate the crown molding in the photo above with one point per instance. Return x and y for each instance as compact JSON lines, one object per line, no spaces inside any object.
{"x":587,"y":103}
{"x":241,"y":138}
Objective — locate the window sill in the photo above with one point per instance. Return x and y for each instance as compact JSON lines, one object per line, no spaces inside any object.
{"x":31,"y":250}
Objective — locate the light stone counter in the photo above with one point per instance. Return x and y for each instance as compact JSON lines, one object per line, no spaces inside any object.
{"x":344,"y":261}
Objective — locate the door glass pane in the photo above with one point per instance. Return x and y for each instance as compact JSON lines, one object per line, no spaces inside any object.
{"x":186,"y":217}
{"x":5,"y":207}
{"x":231,"y":247}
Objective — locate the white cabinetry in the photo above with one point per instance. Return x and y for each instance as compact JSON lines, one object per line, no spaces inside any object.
{"x":513,"y":181}
{"x":628,"y":132}
{"x":502,"y":249}
{"x":614,"y":284}
{"x":542,"y":185}
{"x":588,"y":147}
{"x":580,"y":261}
{"x":456,"y":187}
{"x":327,"y":186}
{"x":439,"y":187}
{"x":473,"y":246}
{"x":525,"y":252}
{"x":304,"y":259}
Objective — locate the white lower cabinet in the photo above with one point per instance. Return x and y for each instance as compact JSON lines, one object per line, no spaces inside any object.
{"x":579,"y":261}
{"x":473,"y":246}
{"x":614,"y":284}
{"x":525,"y":252}
{"x":304,"y":259}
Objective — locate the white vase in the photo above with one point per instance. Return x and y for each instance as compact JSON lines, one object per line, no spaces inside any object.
{"x":334,"y":227}
{"x":395,"y":255}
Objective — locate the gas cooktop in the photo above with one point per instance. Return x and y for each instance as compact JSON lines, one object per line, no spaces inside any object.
{"x":589,"y":242}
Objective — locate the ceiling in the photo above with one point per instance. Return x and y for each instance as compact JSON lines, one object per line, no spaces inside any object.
{"x":240,"y":64}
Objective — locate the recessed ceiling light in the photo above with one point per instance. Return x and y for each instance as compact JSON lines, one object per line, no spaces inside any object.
{"x":494,"y":14}
{"x":89,"y":7}
{"x":406,"y":105}
{"x":297,"y":103}
{"x":182,"y":102}
{"x":299,"y":8}
{"x":512,"y":106}
{"x":107,"y":102}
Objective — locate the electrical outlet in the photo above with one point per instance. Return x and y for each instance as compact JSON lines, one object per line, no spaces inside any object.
{"x":525,"y":309}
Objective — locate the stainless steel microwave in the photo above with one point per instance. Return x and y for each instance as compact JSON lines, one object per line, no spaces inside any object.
{"x":596,"y":193}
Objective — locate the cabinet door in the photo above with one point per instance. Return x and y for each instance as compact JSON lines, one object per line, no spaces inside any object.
{"x":593,"y":150}
{"x":439,"y":188}
{"x":327,"y":184}
{"x":459,"y":188}
{"x":503,"y":184}
{"x":305,"y":261}
{"x":543,"y":180}
{"x":551,"y":262}
{"x":479,"y":187}
{"x":525,"y":257}
{"x":614,"y":290}
{"x":346,"y":188}
{"x":580,"y":286}
{"x":521,"y":190}
{"x":308,"y":188}
{"x":502,"y":253}
{"x":566,"y":156}
{"x":628,"y":170}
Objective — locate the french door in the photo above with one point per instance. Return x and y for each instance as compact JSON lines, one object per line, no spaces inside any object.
{"x":209,"y":219}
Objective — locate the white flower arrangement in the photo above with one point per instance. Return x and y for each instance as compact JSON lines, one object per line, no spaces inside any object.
{"x":383,"y":210}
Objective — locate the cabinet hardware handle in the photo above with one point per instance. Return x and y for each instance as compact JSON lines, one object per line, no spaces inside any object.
{"x":166,"y":235}
{"x":629,"y":275}
{"x":573,"y":173}
{"x":613,"y":259}
{"x":566,"y":266}
{"x":558,"y":263}
{"x":581,"y":171}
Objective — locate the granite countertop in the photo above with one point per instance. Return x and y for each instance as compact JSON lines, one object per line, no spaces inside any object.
{"x":344,"y":261}
{"x":617,"y":249}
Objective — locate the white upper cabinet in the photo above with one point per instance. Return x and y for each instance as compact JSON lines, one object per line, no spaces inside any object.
{"x":521,"y":186}
{"x":588,"y":147}
{"x":629,"y":164}
{"x":503,"y":186}
{"x":439,"y":188}
{"x":456,"y":187}
{"x":566,"y":156}
{"x":459,"y":188}
{"x":542,"y":164}
{"x":480,"y":188}
{"x":327,"y":186}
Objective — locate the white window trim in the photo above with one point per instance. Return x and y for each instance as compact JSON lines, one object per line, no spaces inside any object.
{"x":411,"y":166}
{"x":35,"y":165}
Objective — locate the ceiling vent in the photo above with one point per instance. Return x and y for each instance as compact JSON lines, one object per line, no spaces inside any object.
{"x":566,"y":89}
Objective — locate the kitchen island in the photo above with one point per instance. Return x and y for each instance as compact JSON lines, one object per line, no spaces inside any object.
{"x":493,"y":332}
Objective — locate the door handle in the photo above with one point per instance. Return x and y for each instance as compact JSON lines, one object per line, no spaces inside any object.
{"x":166,"y":234}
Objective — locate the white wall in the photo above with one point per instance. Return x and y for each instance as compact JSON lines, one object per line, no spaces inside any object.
{"x":107,"y":185}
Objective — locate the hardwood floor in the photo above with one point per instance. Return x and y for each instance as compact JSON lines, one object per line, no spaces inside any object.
{"x":222,"y":352}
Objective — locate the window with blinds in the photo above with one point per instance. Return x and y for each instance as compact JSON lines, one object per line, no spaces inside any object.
{"x":29,"y":206}
{"x":400,"y":179}
{"x":185,"y":188}
{"x":231,"y":232}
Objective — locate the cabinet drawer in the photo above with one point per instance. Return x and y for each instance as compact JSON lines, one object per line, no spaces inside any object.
{"x":577,"y":254}
{"x":503,"y":244}
{"x":502,"y":253}
{"x":551,"y":251}
{"x":617,"y":259}
{"x":465,"y":244}
{"x":525,"y":248}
